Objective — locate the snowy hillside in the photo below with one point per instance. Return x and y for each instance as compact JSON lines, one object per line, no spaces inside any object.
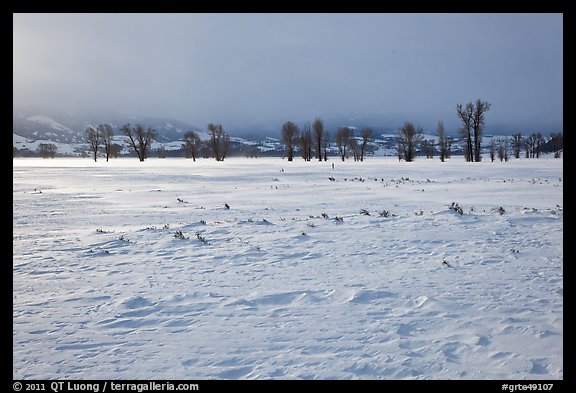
{"x":49,"y":122}
{"x":265,"y":269}
{"x":72,"y":130}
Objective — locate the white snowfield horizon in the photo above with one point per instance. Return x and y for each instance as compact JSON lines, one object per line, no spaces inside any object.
{"x":268,"y":269}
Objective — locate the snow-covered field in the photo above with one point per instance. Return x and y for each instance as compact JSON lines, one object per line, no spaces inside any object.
{"x":139,"y":270}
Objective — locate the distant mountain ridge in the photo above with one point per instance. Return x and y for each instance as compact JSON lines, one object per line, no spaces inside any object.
{"x":41,"y":126}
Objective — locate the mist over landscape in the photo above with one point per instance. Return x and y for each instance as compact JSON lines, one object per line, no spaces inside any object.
{"x":253,"y":72}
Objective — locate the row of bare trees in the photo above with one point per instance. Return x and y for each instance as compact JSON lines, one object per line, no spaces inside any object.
{"x":346,"y":139}
{"x":314,"y":142}
{"x":500,"y":148}
{"x":140,"y":139}
{"x":315,"y":139}
{"x":533,"y":146}
{"x":218,"y":144}
{"x":409,"y":138}
{"x":102,"y":135}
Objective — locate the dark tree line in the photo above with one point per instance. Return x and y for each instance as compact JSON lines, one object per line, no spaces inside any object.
{"x":535,"y":144}
{"x":314,"y":141}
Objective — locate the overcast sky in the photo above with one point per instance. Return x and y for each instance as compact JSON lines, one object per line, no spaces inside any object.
{"x":242,"y":69}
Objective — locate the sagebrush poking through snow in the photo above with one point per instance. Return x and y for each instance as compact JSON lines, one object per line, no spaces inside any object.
{"x":200,"y":237}
{"x":266,"y":290}
{"x":179,"y":235}
{"x":454,"y":206}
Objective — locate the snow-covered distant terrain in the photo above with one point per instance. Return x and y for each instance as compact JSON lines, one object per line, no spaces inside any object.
{"x":266,"y":269}
{"x":49,"y":122}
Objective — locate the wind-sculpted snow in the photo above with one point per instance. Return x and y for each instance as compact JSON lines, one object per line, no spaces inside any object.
{"x":265,"y":269}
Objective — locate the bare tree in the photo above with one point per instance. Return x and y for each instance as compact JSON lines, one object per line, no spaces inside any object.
{"x":318,"y":128}
{"x":516,"y":144}
{"x":47,"y":150}
{"x":367,"y":135}
{"x":492,"y":149}
{"x":342,"y":139}
{"x":473,"y":119}
{"x":466,"y":114}
{"x":192,"y":144}
{"x":139,"y":139}
{"x":478,"y":122}
{"x":219,"y":141}
{"x":538,"y":142}
{"x":408,"y":138}
{"x":503,"y":150}
{"x":354,"y":147}
{"x":442,"y":141}
{"x":93,"y":136}
{"x":290,"y":133}
{"x":449,"y":141}
{"x":533,"y":145}
{"x":215,"y":130}
{"x":107,"y":135}
{"x":528,"y":145}
{"x":305,"y":143}
{"x":325,"y":144}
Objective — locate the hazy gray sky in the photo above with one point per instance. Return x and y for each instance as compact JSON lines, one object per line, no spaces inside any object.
{"x":239,"y":69}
